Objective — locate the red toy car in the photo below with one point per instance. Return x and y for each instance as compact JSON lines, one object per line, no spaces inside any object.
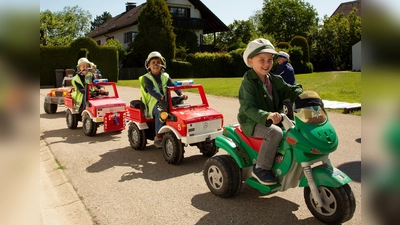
{"x":192,"y":123}
{"x":101,"y":109}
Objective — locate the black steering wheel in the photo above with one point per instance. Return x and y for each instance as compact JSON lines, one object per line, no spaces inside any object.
{"x":176,"y":100}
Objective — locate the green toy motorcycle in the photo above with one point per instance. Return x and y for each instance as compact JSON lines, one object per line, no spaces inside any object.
{"x":302,"y":160}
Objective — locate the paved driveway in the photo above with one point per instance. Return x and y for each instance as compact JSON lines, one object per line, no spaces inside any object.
{"x":120,"y":186}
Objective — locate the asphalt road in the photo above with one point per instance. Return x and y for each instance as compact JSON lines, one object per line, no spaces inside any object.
{"x":119,"y":185}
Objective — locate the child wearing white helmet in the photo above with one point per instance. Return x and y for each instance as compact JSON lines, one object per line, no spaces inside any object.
{"x":261,"y":97}
{"x":82,"y":77}
{"x":154,"y":89}
{"x":79,"y":81}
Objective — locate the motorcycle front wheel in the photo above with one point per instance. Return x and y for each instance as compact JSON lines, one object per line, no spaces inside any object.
{"x":338,"y":204}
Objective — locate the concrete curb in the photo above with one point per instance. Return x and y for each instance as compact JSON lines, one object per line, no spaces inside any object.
{"x":59,"y":202}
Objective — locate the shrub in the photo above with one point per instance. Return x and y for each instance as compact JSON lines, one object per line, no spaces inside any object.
{"x":284,"y":45}
{"x":180,"y":69}
{"x":211,"y":65}
{"x":238,"y":65}
{"x":52,"y":58}
{"x":303,"y":44}
{"x":120,"y":48}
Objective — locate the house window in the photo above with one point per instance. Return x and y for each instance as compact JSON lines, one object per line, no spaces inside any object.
{"x":129,"y":37}
{"x":179,"y":12}
{"x":108,"y":38}
{"x":98,"y":42}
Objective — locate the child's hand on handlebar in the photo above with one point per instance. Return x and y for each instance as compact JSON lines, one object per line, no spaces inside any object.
{"x":275,"y":117}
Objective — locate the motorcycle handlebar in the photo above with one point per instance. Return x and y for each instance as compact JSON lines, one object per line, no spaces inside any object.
{"x":269,"y":122}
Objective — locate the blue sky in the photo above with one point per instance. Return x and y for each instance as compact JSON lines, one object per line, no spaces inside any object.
{"x":226,"y":10}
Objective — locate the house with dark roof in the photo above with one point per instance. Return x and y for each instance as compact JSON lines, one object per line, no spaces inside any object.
{"x":189,"y":14}
{"x":347,"y":7}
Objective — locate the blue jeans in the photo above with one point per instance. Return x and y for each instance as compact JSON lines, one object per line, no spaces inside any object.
{"x":272,"y":137}
{"x":156,"y":116}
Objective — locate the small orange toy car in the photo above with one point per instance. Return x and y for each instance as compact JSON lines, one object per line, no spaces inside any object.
{"x":56,"y":96}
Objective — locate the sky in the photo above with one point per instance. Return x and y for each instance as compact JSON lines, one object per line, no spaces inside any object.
{"x":226,"y":10}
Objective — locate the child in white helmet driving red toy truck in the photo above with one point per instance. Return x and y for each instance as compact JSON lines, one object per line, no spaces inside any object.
{"x":83,"y":76}
{"x":261,"y":97}
{"x":156,"y":82}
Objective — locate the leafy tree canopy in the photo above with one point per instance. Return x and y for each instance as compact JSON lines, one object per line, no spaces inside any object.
{"x":99,"y":20}
{"x":61,"y":28}
{"x":155,"y":31}
{"x":120,"y":48}
{"x":285,"y":19}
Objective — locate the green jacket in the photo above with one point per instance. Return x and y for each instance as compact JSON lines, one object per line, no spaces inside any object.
{"x":255,"y":103}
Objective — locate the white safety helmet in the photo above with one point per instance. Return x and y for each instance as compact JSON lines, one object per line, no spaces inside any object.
{"x":83,"y":61}
{"x":154,"y":55}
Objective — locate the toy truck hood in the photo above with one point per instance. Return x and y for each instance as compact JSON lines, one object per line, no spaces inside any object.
{"x":107,"y":102}
{"x":198,"y":114}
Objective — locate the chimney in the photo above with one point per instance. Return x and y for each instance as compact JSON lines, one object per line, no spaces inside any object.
{"x":130,"y":5}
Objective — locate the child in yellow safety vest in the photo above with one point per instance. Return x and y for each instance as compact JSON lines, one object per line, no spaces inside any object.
{"x":156,"y":82}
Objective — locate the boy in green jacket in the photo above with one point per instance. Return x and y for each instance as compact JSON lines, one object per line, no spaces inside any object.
{"x":261,"y":97}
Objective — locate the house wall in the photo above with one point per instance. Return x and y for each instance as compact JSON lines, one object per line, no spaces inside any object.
{"x":119,"y":35}
{"x":194,"y":13}
{"x":356,"y":56}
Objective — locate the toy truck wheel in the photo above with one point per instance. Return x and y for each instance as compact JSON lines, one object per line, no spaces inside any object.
{"x":222,"y":175}
{"x":50,"y":108}
{"x":172,"y":149}
{"x":72,"y":120}
{"x":137,"y":138}
{"x":208,"y":148}
{"x":338,"y":204}
{"x":288,"y":109}
{"x":89,"y":127}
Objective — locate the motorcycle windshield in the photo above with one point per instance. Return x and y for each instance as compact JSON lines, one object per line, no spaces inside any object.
{"x":311,"y":115}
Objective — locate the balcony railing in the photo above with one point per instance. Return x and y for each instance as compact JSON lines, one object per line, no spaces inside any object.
{"x":189,"y":23}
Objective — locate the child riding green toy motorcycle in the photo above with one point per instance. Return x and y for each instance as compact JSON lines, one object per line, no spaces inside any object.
{"x":308,"y":140}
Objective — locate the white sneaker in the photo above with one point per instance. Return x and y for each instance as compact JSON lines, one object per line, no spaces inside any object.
{"x":158,"y":142}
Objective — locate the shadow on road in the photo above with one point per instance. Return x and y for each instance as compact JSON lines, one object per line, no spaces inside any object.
{"x":58,"y":114}
{"x":76,"y":136}
{"x":248,"y":207}
{"x":352,"y":169}
{"x":146,"y":164}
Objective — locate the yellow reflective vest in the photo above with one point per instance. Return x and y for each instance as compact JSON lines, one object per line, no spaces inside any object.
{"x":148,"y":100}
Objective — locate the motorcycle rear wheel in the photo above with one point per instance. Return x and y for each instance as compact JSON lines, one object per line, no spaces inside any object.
{"x":222,"y":176}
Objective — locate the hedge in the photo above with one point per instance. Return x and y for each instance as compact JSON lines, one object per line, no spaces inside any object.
{"x":208,"y":65}
{"x":52,"y":58}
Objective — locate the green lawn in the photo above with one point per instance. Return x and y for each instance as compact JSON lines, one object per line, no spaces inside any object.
{"x":343,"y":86}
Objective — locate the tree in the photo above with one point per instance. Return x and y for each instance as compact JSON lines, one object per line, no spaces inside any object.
{"x":239,"y":31}
{"x":99,"y":20}
{"x":354,"y":27}
{"x":285,"y":19}
{"x":186,"y":39}
{"x":333,"y":47}
{"x":61,"y":28}
{"x":155,"y":32}
{"x":120,"y":48}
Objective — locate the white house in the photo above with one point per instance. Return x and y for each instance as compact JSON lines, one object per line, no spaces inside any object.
{"x":191,"y":14}
{"x":356,"y":56}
